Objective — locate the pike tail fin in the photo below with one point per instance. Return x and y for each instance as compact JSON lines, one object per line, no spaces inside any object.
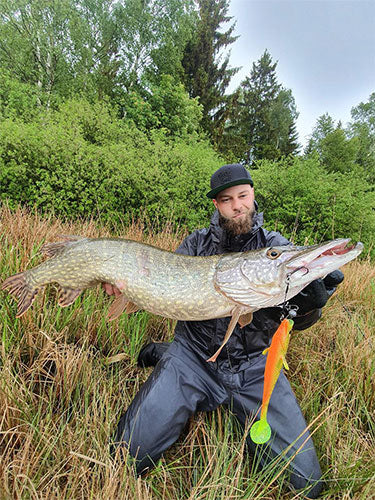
{"x":23,"y":291}
{"x":260,"y":432}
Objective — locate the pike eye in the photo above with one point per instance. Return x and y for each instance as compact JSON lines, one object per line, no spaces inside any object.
{"x":272,"y":253}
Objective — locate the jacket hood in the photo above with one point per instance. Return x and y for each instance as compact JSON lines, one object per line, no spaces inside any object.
{"x":226,"y":242}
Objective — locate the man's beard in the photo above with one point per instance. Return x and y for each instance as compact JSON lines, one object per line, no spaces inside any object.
{"x":242,"y":225}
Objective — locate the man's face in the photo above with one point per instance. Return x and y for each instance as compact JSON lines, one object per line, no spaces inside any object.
{"x":236,"y":208}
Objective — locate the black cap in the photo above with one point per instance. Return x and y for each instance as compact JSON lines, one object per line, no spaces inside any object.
{"x":227,"y":176}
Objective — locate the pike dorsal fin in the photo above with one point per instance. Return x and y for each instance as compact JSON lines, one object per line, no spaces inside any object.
{"x":119,"y":305}
{"x":53,"y":249}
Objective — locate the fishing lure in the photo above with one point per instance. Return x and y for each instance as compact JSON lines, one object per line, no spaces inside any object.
{"x":260,"y":431}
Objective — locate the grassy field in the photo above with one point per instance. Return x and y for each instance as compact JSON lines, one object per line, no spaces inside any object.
{"x":66,"y":376}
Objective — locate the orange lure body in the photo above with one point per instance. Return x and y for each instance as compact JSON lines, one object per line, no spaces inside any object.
{"x":260,"y":431}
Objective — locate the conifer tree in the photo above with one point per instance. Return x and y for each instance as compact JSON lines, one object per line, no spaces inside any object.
{"x":206,"y":73}
{"x":324,"y":125}
{"x":263,"y":123}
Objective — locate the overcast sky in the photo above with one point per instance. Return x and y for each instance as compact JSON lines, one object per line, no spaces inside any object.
{"x":325,"y":51}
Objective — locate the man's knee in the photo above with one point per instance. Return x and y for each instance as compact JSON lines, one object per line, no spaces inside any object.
{"x":151,"y":353}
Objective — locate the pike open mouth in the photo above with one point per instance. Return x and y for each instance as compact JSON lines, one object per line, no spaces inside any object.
{"x":336,"y":252}
{"x":340,"y":249}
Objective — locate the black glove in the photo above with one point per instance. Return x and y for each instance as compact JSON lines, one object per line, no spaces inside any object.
{"x":316,"y":294}
{"x":332,"y":280}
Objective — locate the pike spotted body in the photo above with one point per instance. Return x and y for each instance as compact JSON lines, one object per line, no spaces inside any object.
{"x":178,"y":286}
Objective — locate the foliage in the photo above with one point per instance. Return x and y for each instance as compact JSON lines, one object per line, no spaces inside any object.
{"x":351,"y":149}
{"x":324,"y":125}
{"x":166,"y":106}
{"x":364,"y":114}
{"x":305,"y":202}
{"x":32,"y":42}
{"x":263,"y":120}
{"x":96,"y":47}
{"x":339,"y":154}
{"x":153,"y":36}
{"x":336,"y":151}
{"x":205,"y":74}
{"x":19,"y":100}
{"x":362,"y":127}
{"x":81,"y":160}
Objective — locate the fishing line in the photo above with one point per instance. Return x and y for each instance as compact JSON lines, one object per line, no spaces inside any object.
{"x":290,"y":311}
{"x":356,"y":324}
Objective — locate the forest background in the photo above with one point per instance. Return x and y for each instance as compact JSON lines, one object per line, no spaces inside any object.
{"x":115,"y":109}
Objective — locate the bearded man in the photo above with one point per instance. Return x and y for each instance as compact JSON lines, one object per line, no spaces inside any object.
{"x":183,"y":383}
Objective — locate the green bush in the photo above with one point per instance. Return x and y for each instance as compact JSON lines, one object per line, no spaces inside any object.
{"x":302,"y":200}
{"x":18,"y":100}
{"x":168,"y":107}
{"x":82,"y":160}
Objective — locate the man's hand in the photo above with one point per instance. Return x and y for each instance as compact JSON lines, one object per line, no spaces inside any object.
{"x":111,"y":289}
{"x":332,"y":280}
{"x":316,"y":294}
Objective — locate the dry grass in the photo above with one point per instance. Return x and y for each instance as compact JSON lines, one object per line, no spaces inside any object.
{"x":60,"y":400}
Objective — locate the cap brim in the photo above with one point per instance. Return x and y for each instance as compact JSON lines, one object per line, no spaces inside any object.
{"x":211,"y":194}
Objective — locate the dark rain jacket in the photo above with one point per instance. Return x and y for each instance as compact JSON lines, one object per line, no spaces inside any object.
{"x":205,"y":337}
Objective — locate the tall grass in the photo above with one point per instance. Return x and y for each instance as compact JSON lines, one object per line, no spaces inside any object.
{"x":66,"y":376}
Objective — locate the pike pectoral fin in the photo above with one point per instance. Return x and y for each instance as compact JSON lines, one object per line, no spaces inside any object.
{"x":235,"y":317}
{"x":119,"y":305}
{"x":245,"y":319}
{"x":67,"y":296}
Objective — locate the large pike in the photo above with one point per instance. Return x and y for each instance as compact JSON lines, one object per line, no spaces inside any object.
{"x":178,"y":286}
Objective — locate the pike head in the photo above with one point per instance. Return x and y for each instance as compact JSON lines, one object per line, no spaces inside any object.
{"x":261,"y":278}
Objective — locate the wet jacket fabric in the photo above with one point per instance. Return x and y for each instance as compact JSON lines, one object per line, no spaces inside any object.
{"x":183,"y":383}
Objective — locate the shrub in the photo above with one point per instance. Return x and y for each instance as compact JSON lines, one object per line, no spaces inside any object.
{"x":82,"y":160}
{"x":302,"y":200}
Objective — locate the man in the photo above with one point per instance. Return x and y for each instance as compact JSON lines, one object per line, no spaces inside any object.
{"x":183,"y":383}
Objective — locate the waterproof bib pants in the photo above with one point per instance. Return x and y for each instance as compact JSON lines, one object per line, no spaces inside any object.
{"x":183,"y":383}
